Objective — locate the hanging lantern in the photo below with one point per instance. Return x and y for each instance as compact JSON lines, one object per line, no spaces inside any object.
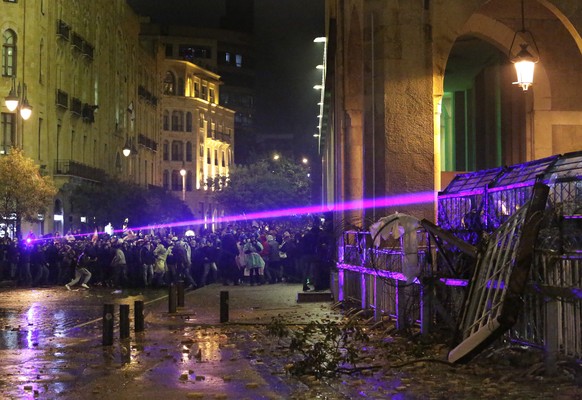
{"x":524,"y":67}
{"x":523,"y":60}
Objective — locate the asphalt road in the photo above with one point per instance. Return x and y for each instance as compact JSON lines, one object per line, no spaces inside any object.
{"x":51,"y":345}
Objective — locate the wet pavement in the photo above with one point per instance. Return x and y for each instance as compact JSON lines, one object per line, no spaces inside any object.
{"x":51,"y":345}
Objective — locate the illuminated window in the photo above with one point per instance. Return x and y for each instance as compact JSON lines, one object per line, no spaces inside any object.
{"x":238,"y":60}
{"x":169,"y":83}
{"x":8,"y":53}
{"x":189,"y":85}
{"x":227,"y":57}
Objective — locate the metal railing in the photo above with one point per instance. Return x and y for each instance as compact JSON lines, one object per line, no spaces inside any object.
{"x":77,"y":169}
{"x":371,"y":278}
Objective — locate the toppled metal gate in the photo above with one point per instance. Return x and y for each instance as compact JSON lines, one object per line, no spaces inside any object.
{"x":500,"y":275}
{"x":484,"y":302}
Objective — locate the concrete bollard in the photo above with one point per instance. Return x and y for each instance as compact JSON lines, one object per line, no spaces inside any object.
{"x":123,"y":321}
{"x":223,"y":306}
{"x":180,"y":293}
{"x":138,"y":316}
{"x":172,"y":301}
{"x":108,"y":324}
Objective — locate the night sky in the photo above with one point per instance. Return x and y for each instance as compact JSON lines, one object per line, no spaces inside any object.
{"x":285,"y":53}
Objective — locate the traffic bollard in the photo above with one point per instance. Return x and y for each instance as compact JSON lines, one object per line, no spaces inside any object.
{"x":123,"y":321}
{"x":223,"y":306}
{"x":172,"y":303}
{"x":108,"y":324}
{"x":180,"y":292}
{"x":138,"y":316}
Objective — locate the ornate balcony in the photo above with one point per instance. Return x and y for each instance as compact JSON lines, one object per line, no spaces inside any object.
{"x":79,"y":170}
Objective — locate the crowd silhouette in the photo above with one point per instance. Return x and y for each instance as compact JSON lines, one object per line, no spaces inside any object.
{"x":257,"y":253}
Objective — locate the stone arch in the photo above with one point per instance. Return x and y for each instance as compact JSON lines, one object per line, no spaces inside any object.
{"x":560,"y":15}
{"x":501,"y":36}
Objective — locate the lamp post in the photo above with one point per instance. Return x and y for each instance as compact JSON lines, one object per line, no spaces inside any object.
{"x":523,"y":60}
{"x":183,"y":173}
{"x":126,"y":148}
{"x":17,"y":99}
{"x":321,"y":88}
{"x":17,"y":103}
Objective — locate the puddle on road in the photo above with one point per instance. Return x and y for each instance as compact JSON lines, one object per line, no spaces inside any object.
{"x":16,"y":338}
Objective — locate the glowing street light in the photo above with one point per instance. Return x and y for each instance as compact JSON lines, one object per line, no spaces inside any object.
{"x":523,"y":60}
{"x":17,"y":99}
{"x":276,"y":156}
{"x":183,"y":172}
{"x":126,"y":149}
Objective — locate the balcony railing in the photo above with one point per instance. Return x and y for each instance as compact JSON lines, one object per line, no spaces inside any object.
{"x":62,"y":99}
{"x":89,"y":113}
{"x":147,"y":95}
{"x":76,"y":106}
{"x":88,"y":50}
{"x":220,"y":136}
{"x":63,"y":30}
{"x":79,"y":170}
{"x":76,"y":41}
{"x":145,"y":141}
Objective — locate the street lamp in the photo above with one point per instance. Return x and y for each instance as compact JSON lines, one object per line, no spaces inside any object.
{"x":523,"y":60}
{"x":304,"y":160}
{"x":129,"y":147}
{"x":321,"y":87}
{"x":183,"y":173}
{"x":17,"y":98}
{"x":126,"y":149}
{"x":276,"y":156}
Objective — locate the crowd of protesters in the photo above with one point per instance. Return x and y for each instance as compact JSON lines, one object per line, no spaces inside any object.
{"x":255,"y":254}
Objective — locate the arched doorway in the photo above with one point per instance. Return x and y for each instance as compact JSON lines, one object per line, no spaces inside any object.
{"x":483,"y":116}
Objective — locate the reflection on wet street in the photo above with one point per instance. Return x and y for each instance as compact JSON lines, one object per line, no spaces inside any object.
{"x":51,"y":346}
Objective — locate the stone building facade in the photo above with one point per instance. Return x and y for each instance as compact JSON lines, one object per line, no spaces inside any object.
{"x":224,"y":51}
{"x":197,"y":136}
{"x":419,"y":90}
{"x":96,"y":87}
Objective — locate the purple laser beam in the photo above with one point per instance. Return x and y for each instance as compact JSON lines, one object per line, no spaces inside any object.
{"x":391,"y":201}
